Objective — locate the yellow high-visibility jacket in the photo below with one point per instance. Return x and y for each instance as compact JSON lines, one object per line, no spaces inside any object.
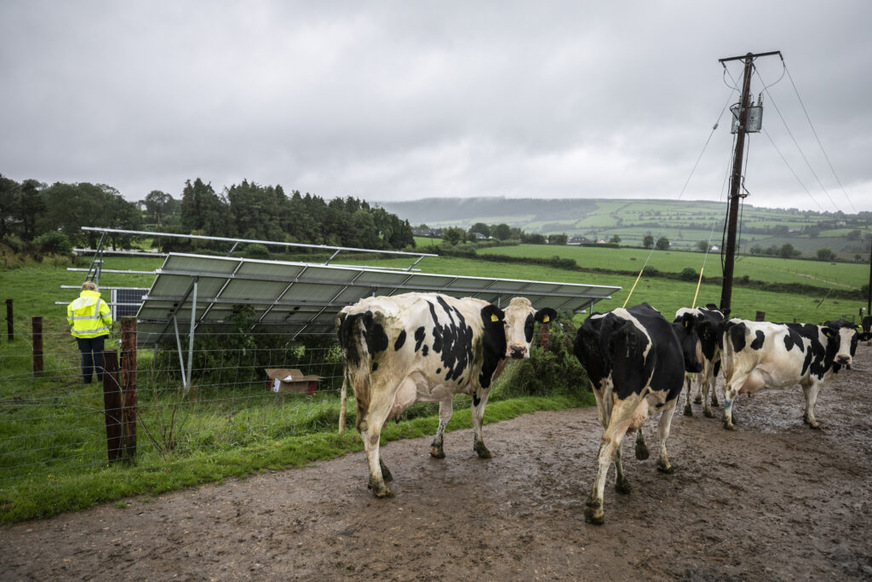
{"x":89,"y":316}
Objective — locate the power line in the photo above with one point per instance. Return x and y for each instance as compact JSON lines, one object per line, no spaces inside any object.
{"x":821,"y":145}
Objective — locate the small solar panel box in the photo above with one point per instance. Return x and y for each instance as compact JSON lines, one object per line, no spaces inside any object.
{"x":291,"y":380}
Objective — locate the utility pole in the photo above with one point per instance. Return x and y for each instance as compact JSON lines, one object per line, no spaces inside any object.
{"x":736,"y":177}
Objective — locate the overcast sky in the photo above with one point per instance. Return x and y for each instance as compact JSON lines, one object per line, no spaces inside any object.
{"x":406,"y":100}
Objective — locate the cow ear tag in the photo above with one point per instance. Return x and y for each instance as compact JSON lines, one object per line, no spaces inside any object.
{"x":494,"y":318}
{"x":546,"y":319}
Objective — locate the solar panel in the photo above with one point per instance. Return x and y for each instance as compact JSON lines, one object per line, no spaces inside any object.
{"x":304,"y":298}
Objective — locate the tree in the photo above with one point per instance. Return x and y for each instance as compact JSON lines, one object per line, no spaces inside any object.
{"x":502,"y":232}
{"x":616,"y":239}
{"x":157,"y":205}
{"x":10,"y":205}
{"x":788,"y":252}
{"x":826,"y":254}
{"x":256,"y":210}
{"x":454,"y":236}
{"x":648,"y":241}
{"x":702,"y":245}
{"x":204,"y":211}
{"x":558,"y":239}
{"x":480,"y":228}
{"x":662,"y":243}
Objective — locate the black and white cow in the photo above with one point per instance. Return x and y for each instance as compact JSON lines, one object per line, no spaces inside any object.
{"x":709,"y":324}
{"x":636,"y":361}
{"x":426,"y":347}
{"x":760,"y":355}
{"x":866,"y":325}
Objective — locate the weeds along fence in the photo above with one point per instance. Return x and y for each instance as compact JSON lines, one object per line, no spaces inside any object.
{"x":53,"y":423}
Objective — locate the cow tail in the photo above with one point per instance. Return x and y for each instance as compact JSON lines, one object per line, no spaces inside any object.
{"x":358,"y":363}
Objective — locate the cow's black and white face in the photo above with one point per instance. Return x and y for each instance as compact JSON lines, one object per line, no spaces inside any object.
{"x":691,"y":347}
{"x":842,"y":339}
{"x":518,"y":321}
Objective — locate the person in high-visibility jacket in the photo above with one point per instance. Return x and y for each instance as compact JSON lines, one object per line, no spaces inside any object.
{"x":90,"y":320}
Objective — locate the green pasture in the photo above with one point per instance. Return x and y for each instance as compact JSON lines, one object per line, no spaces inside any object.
{"x":821,"y":274}
{"x":52,"y":427}
{"x":50,"y":422}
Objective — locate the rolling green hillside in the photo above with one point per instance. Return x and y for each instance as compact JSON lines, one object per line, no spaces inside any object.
{"x":684,"y":223}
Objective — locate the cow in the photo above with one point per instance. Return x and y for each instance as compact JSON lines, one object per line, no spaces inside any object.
{"x":709,"y":324}
{"x":427,"y":347}
{"x":866,"y":324}
{"x":760,"y":355}
{"x":636,"y":361}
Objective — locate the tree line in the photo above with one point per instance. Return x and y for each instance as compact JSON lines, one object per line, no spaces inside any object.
{"x":51,"y":216}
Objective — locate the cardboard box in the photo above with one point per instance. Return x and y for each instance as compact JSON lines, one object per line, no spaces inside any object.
{"x":291,"y":380}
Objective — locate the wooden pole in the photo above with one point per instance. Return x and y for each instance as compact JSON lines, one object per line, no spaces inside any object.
{"x":10,"y":332}
{"x":112,"y":405}
{"x":128,"y":368}
{"x":735,"y":185}
{"x":736,"y":178}
{"x":36,"y":323}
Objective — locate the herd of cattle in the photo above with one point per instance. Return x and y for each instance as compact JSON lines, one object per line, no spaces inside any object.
{"x":427,"y":347}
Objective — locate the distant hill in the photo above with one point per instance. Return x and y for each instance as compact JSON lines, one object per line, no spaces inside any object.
{"x":685,"y":223}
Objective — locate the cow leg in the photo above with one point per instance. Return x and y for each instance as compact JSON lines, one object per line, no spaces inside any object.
{"x":370,"y":433}
{"x":445,"y":411}
{"x":731,"y":390}
{"x":663,"y":428}
{"x":708,"y":386}
{"x":642,"y":452}
{"x":688,"y":388}
{"x":712,"y":385}
{"x":622,"y":484}
{"x":619,"y":421}
{"x":479,"y":400}
{"x":811,"y":393}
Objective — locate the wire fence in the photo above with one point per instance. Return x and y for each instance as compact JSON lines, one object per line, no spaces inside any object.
{"x":52,"y":422}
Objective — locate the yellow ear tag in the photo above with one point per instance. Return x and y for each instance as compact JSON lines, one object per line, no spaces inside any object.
{"x":546,"y":319}
{"x":494,"y":318}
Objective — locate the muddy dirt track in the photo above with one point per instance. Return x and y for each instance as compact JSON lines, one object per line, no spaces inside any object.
{"x":774,"y":500}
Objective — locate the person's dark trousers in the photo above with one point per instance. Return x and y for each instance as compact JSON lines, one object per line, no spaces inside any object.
{"x":92,"y":357}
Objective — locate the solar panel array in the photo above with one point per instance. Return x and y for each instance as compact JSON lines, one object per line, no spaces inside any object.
{"x":304,"y":298}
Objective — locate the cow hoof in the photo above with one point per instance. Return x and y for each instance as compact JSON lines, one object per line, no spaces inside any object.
{"x":729,"y":426}
{"x":594,"y":516}
{"x":437,"y":452}
{"x":667,"y":469}
{"x":698,"y":399}
{"x":380,"y":490}
{"x":688,"y":411}
{"x":715,"y":402}
{"x":623,"y":486}
{"x":482,"y":451}
{"x":708,"y":413}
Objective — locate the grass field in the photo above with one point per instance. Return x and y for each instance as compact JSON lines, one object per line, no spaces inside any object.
{"x":49,"y":422}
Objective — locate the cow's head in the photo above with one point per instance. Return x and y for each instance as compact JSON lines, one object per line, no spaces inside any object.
{"x":691,"y":347}
{"x":842,"y":339}
{"x":709,"y":325}
{"x":518,"y":321}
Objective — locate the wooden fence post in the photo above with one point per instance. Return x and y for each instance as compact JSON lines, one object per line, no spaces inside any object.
{"x":10,"y":333}
{"x":128,"y":368}
{"x":36,"y":324}
{"x":112,"y":404}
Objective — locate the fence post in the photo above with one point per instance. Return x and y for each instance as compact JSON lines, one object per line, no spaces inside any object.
{"x":112,"y":404}
{"x":36,"y":324}
{"x":543,"y":335}
{"x":128,"y":369}
{"x":9,"y":331}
